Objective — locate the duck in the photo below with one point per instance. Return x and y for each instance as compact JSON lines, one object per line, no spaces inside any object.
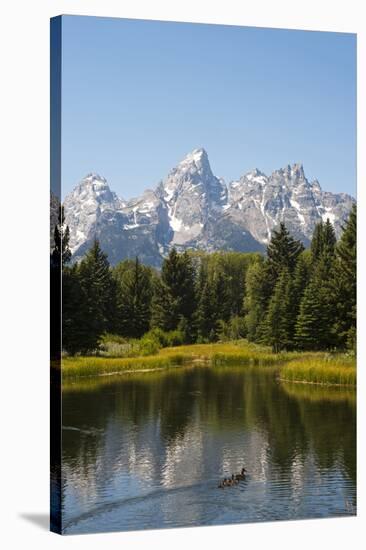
{"x":241,"y":475}
{"x":222,"y":483}
{"x":234,"y":480}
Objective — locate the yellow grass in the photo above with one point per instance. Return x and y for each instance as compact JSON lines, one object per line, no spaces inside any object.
{"x":320,"y":368}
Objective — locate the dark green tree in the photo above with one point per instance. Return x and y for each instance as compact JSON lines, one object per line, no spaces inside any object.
{"x":279,"y":322}
{"x":316,"y":245}
{"x":310,"y":330}
{"x":257,"y":295}
{"x":207,"y":320}
{"x":323,"y":241}
{"x":75,"y":323}
{"x":175,"y":297}
{"x":317,"y":310}
{"x":345,"y":282}
{"x":282,"y":252}
{"x":163,"y":308}
{"x":329,"y":238}
{"x":134,"y":292}
{"x":99,"y":290}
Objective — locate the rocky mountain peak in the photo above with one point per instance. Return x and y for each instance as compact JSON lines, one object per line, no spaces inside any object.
{"x":297,"y":171}
{"x":192,"y":208}
{"x":196,"y":160}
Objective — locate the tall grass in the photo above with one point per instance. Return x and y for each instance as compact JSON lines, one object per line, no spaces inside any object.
{"x":319,"y":368}
{"x":326,"y":369}
{"x":93,"y":366}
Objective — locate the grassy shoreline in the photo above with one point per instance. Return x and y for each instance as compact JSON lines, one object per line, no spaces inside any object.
{"x":306,"y":367}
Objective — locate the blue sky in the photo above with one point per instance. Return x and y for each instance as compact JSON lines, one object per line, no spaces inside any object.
{"x":138,"y":95}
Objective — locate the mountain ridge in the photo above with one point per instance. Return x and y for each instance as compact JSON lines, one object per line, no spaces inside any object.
{"x":192,"y":208}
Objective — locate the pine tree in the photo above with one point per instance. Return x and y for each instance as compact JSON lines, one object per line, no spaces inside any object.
{"x":163,"y":308}
{"x":278,"y":331}
{"x":76,"y":336}
{"x":318,"y":307}
{"x":302,"y":274}
{"x":134,"y":300}
{"x":282,"y":252}
{"x":323,"y":241}
{"x":175,"y":297}
{"x":207,"y":321}
{"x":345,"y":283}
{"x":99,"y":291}
{"x":316,"y":245}
{"x":329,"y":238}
{"x":257,"y":295}
{"x":311,"y":323}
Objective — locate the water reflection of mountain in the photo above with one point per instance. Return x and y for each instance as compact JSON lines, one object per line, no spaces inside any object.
{"x":181,"y":427}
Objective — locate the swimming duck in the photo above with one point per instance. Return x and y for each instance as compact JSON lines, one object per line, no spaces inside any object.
{"x":222,"y":483}
{"x":241,"y":475}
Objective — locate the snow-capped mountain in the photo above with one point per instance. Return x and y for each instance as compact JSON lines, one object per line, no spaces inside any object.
{"x":192,"y":208}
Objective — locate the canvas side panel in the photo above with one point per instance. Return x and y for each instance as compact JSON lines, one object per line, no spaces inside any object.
{"x":55,"y":277}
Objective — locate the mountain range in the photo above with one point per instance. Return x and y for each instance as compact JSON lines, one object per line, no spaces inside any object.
{"x":192,"y":208}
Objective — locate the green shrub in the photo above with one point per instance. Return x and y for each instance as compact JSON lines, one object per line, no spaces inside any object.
{"x":175,"y":338}
{"x":148,"y":346}
{"x":234,"y":329}
{"x":113,"y":338}
{"x":158,"y":335}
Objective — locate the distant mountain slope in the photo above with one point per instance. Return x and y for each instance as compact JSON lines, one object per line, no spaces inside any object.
{"x":192,"y":208}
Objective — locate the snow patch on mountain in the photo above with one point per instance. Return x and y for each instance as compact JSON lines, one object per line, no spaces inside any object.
{"x":192,"y":208}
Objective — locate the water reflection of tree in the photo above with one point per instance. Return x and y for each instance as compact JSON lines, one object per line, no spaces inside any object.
{"x":220,"y":400}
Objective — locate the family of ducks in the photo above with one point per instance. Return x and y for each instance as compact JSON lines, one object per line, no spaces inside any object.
{"x":233,"y":480}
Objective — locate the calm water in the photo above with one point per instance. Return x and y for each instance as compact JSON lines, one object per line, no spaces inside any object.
{"x":147,"y":450}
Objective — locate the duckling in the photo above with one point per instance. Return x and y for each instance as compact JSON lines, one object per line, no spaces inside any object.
{"x":222,"y":483}
{"x":234,"y":481}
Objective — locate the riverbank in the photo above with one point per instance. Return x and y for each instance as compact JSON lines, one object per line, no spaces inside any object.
{"x":316,"y":368}
{"x":324,"y":368}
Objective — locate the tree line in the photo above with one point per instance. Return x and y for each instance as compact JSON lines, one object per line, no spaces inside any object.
{"x":291,"y":298}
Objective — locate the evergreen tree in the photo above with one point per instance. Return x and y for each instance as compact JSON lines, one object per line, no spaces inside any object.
{"x":163,"y":311}
{"x":99,"y":291}
{"x":316,"y":245}
{"x":175,"y":298}
{"x":312,"y":320}
{"x":345,"y":283}
{"x":278,"y":331}
{"x":257,"y":295}
{"x":302,"y":274}
{"x":329,"y":238}
{"x":207,"y":321}
{"x":323,"y":241}
{"x":76,"y":336}
{"x":318,"y":308}
{"x":282,"y":252}
{"x":134,"y":300}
